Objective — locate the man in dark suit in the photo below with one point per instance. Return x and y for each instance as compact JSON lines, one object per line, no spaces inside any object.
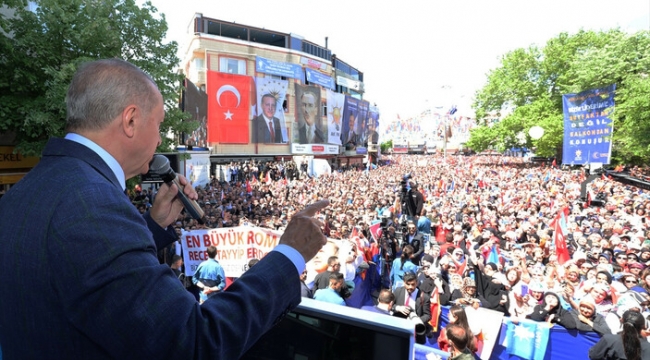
{"x":267,"y":128}
{"x":373,"y":135}
{"x":350,"y":137}
{"x":415,"y":239}
{"x":82,"y":279}
{"x":308,"y":132}
{"x":409,"y":298}
{"x":385,"y":302}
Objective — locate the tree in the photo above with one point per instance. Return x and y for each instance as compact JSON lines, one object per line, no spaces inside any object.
{"x":386,"y":146}
{"x":531,"y":82}
{"x":45,"y":47}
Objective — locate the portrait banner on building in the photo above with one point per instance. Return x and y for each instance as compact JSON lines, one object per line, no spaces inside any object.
{"x":269,"y":126}
{"x":588,"y":126}
{"x":361,"y":126}
{"x":309,"y":127}
{"x":350,"y":118}
{"x":372,"y":125}
{"x":228,"y":107}
{"x":335,"y":105}
{"x":195,"y":103}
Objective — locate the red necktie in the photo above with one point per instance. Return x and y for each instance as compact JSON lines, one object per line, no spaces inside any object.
{"x":272,"y":131}
{"x":408,"y":299}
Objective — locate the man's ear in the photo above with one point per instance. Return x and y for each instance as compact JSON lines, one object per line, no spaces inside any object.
{"x":129,"y":120}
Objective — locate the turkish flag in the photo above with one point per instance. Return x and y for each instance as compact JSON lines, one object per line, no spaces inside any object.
{"x":228,"y":107}
{"x":559,"y":236}
{"x":375,"y":231}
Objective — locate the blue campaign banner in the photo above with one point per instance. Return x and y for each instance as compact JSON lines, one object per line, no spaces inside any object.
{"x":318,"y":78}
{"x":588,"y":127}
{"x":558,"y":341}
{"x":279,"y":68}
{"x":527,"y":339}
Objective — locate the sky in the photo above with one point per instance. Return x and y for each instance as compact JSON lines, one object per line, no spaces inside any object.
{"x":417,"y":54}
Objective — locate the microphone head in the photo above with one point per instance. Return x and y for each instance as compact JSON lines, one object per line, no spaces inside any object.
{"x":159,"y":164}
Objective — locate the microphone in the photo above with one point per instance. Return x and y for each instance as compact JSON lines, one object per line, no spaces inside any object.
{"x":159,"y":165}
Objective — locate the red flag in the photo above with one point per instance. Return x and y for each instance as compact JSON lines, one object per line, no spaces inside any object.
{"x":268,"y":177}
{"x":228,"y":107}
{"x":356,"y":237}
{"x":588,"y":202}
{"x":375,"y":231}
{"x":435,"y":310}
{"x":249,"y":188}
{"x":554,"y":164}
{"x":559,"y":236}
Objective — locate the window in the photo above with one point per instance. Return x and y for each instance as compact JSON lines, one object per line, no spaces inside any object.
{"x":198,"y":63}
{"x":232,"y":66}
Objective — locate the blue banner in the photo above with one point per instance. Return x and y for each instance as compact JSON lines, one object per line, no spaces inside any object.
{"x":318,"y":78}
{"x":527,"y":339}
{"x":587,"y":126}
{"x":279,"y":68}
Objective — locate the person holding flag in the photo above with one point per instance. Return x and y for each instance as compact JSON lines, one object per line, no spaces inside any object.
{"x":560,"y":232}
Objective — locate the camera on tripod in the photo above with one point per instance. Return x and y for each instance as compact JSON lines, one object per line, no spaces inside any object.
{"x":387,"y":240}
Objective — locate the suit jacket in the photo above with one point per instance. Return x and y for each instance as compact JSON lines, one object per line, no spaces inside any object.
{"x":262,"y":133}
{"x":319,"y":137}
{"x":422,"y":303}
{"x":347,"y":138}
{"x":82,"y":279}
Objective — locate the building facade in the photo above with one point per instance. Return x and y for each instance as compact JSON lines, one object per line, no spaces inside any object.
{"x":272,"y":95}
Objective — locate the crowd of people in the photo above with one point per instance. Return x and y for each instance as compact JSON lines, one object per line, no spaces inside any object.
{"x":482,"y":236}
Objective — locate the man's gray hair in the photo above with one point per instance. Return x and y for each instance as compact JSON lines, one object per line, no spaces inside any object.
{"x":100,"y":90}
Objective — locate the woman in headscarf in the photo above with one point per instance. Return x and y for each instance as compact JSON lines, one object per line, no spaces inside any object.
{"x":572,"y":276}
{"x":467,"y":294}
{"x":552,"y":312}
{"x":586,"y":318}
{"x":536,"y":291}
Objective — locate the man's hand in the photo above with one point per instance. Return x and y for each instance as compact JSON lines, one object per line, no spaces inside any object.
{"x":210,"y":290}
{"x":167,"y":206}
{"x":405,"y":310}
{"x":303,"y":231}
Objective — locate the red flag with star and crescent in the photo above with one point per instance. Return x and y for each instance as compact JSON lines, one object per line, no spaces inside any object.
{"x":560,"y":232}
{"x":228,"y":107}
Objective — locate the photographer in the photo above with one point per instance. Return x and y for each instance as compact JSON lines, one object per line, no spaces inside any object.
{"x":417,"y":198}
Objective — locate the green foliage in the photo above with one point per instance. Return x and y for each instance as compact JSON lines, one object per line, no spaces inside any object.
{"x":530,"y":82}
{"x":47,"y":46}
{"x":385,"y":146}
